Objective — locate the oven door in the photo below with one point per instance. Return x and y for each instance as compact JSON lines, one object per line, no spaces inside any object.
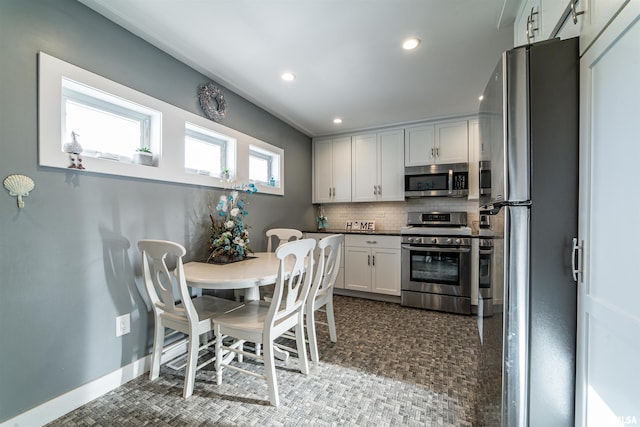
{"x":437,"y":270}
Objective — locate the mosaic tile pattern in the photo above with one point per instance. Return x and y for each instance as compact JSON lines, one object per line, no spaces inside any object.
{"x":391,"y":366}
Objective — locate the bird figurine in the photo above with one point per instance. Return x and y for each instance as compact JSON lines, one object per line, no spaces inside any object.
{"x":74,"y":149}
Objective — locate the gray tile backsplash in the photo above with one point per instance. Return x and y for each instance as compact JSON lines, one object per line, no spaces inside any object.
{"x":393,"y":215}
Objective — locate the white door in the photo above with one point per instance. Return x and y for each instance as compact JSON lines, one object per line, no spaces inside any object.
{"x":608,"y":347}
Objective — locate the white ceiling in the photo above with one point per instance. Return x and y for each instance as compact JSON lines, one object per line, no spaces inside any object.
{"x":346,"y":54}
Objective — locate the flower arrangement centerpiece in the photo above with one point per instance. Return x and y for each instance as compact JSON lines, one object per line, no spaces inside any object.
{"x":229,"y":240}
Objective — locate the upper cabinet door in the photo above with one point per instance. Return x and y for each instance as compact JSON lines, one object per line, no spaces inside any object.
{"x":341,"y":169}
{"x":527,"y":27}
{"x":378,"y":167}
{"x":391,"y":172}
{"x":597,"y":15}
{"x":365,"y":165}
{"x":419,"y":145}
{"x":551,"y":14}
{"x":322,"y":171}
{"x":452,"y":142}
{"x":572,"y":24}
{"x":332,"y":170}
{"x":439,"y":143}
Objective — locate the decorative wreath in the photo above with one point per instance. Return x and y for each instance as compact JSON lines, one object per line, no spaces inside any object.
{"x":212,"y":101}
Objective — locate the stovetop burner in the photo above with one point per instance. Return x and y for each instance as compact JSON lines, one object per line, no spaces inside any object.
{"x":435,"y":231}
{"x":436,"y":224}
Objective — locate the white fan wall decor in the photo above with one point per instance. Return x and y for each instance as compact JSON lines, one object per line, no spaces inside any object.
{"x":19,"y":185}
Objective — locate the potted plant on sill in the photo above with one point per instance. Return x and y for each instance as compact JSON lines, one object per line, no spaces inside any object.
{"x":143,"y":156}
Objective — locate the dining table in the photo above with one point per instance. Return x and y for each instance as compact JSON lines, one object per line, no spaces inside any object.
{"x":259,"y":269}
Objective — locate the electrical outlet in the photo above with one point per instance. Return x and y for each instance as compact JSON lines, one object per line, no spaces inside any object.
{"x":123,"y":324}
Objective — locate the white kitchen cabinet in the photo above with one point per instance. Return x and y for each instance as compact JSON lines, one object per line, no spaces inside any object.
{"x":537,"y":20}
{"x":418,"y":145}
{"x":572,"y":24}
{"x":332,"y":170}
{"x":378,"y":166}
{"x":552,"y":12}
{"x":474,"y":158}
{"x":437,"y":143}
{"x":597,"y":15}
{"x":319,"y":236}
{"x":527,"y":27}
{"x":608,"y":340}
{"x":372,"y":264}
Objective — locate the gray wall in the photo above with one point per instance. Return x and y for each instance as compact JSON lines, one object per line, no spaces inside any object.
{"x":68,"y":261}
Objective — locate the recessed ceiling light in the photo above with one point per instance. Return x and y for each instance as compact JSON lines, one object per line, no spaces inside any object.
{"x":288,"y":77}
{"x":337,"y":120}
{"x":411,"y":43}
{"x":481,"y":97}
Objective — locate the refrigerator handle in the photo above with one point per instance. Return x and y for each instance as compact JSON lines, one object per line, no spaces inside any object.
{"x":450,"y":181}
{"x":576,"y":253}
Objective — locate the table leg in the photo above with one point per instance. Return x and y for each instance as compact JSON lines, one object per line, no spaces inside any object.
{"x":252,"y":294}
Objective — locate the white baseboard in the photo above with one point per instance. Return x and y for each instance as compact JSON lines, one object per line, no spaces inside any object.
{"x":65,"y":403}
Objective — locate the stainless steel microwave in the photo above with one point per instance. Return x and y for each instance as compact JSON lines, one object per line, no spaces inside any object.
{"x":451,"y":180}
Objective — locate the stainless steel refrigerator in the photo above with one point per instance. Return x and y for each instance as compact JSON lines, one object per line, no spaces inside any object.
{"x":529,"y":149}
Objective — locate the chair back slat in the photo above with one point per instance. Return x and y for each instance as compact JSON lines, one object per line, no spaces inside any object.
{"x":327,"y":265}
{"x":166,"y":286}
{"x":294,"y":280}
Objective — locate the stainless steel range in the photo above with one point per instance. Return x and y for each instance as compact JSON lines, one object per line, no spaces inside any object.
{"x":436,"y":262}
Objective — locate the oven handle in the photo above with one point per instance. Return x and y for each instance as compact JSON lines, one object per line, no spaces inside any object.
{"x":431,"y":248}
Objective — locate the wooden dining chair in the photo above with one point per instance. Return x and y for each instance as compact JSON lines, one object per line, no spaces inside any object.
{"x":262,"y":322}
{"x":321,"y":293}
{"x":191,"y":317}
